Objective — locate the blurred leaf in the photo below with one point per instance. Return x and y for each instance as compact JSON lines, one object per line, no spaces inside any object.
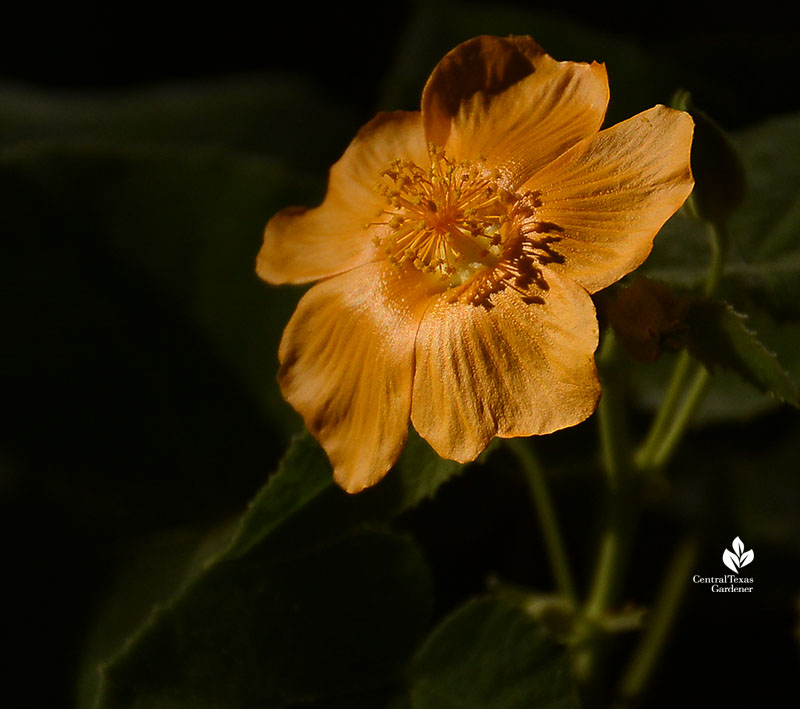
{"x":297,"y":517}
{"x":718,"y":337}
{"x":302,"y":502}
{"x":286,"y":613}
{"x":491,"y":654}
{"x":764,"y":266}
{"x":338,"y":619}
{"x":719,"y":180}
{"x":137,"y":338}
{"x":768,"y":225}
{"x":189,"y":221}
{"x":761,"y":276}
{"x":767,"y":228}
{"x":729,"y":397}
{"x":151,"y":569}
{"x":276,"y":116}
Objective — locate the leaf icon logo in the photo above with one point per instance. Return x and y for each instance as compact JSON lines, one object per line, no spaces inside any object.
{"x":737,"y":558}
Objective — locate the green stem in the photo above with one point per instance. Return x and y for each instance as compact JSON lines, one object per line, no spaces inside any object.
{"x":676,"y":410}
{"x":652,"y":643}
{"x":615,"y":456}
{"x":672,"y":437}
{"x":621,"y":517}
{"x":614,"y":441}
{"x":613,"y":556}
{"x":718,"y":238}
{"x":546,"y":513}
{"x":666,"y":411}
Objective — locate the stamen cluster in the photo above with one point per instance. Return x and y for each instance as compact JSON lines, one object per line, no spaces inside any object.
{"x":446,"y":218}
{"x":463,"y":223}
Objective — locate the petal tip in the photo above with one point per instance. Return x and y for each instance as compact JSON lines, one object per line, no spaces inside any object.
{"x":273,"y":262}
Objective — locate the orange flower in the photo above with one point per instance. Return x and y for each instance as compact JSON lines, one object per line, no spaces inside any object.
{"x":456,"y":249}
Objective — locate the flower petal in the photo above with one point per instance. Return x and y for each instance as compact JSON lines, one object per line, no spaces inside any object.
{"x":505,"y":99}
{"x":608,"y":196}
{"x":347,"y":358}
{"x":512,"y":369}
{"x":302,"y":245}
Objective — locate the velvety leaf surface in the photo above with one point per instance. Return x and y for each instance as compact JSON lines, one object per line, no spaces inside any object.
{"x":128,"y":261}
{"x":332,"y":620}
{"x":301,"y":502}
{"x":719,"y":337}
{"x":300,"y":517}
{"x":291,"y":610}
{"x":762,"y":271}
{"x":764,"y":263}
{"x":491,"y":655}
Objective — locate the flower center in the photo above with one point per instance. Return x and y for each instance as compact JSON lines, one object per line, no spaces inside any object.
{"x":447,"y":220}
{"x":461,"y":222}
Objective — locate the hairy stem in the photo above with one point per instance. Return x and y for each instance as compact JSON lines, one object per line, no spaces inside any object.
{"x":680,"y":403}
{"x":651,"y":646}
{"x":548,"y":519}
{"x":614,"y":549}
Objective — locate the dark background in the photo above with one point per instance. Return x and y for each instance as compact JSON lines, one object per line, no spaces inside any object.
{"x":64,"y":517}
{"x":739,"y":61}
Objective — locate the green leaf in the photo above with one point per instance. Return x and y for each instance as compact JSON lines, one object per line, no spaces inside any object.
{"x":490,"y":653}
{"x":768,"y":225}
{"x":302,"y":605}
{"x":719,"y":181}
{"x":302,"y":501}
{"x":719,"y":337}
{"x":761,"y":276}
{"x":767,"y":228}
{"x":764,"y":264}
{"x":339,"y":619}
{"x":297,"y":517}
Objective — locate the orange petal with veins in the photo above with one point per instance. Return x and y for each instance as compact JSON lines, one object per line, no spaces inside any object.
{"x":609,"y":195}
{"x":347,"y":361}
{"x":515,"y":368}
{"x":303,"y":245}
{"x":505,"y":99}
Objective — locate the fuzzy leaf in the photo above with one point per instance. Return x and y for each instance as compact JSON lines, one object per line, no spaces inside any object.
{"x":302,"y":501}
{"x":764,"y":263}
{"x":294,"y":609}
{"x":490,"y":653}
{"x":719,"y":338}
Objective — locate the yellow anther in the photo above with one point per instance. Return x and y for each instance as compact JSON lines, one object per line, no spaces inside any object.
{"x":445,"y":217}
